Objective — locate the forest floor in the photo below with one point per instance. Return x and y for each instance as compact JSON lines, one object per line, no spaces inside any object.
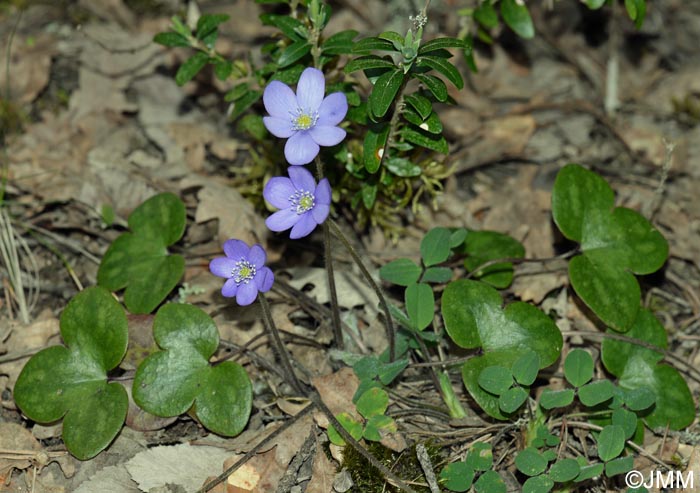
{"x":95,"y":121}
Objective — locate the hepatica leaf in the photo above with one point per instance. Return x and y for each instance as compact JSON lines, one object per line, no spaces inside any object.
{"x":474,"y":317}
{"x":638,"y":368}
{"x":172,"y":381}
{"x":70,"y":381}
{"x":484,"y":246}
{"x":616,"y":243}
{"x":139,"y":261}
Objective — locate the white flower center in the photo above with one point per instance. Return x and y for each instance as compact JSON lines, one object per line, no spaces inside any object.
{"x":243,"y":272}
{"x":302,"y":201}
{"x":303,"y":119}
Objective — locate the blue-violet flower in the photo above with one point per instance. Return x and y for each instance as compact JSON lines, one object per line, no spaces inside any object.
{"x":303,"y":204}
{"x":244,"y":269}
{"x":307,"y":119}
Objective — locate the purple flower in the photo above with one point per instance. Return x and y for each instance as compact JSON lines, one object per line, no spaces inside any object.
{"x":303,"y":204}
{"x":244,"y":269}
{"x":308,"y":119}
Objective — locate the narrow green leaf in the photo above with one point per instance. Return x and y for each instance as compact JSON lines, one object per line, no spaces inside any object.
{"x":294,"y":52}
{"x":292,"y":28}
{"x":594,"y":4}
{"x":373,"y":147}
{"x":340,"y":43}
{"x":620,"y":465}
{"x":402,"y":271}
{"x":403,"y":167}
{"x":439,"y":44}
{"x":368,"y":62}
{"x":369,"y":195}
{"x":637,"y":10}
{"x":207,"y":23}
{"x":518,"y":18}
{"x":435,"y":85}
{"x":486,"y":15}
{"x":444,"y":67}
{"x":417,"y":136}
{"x":384,"y":92}
{"x":421,"y":104}
{"x":191,"y":67}
{"x":578,"y":367}
{"x":171,"y":39}
{"x":420,"y":305}
{"x":368,"y":45}
{"x":589,"y":472}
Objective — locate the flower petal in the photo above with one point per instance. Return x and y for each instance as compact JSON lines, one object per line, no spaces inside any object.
{"x":303,"y":227}
{"x":282,"y":220}
{"x":222,"y":267}
{"x":302,"y":179}
{"x":230,"y":288}
{"x":320,"y":213}
{"x":310,"y":89}
{"x":279,"y":99}
{"x":324,"y":135}
{"x":322,"y":194}
{"x":247,"y":292}
{"x":279,"y":127}
{"x":278,"y":190}
{"x":333,"y":109}
{"x":236,"y":249}
{"x":264,"y":279}
{"x":257,"y":256}
{"x":300,"y":149}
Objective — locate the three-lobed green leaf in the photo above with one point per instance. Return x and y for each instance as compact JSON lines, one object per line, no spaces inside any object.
{"x":71,"y":382}
{"x":139,"y":260}
{"x":179,"y":377}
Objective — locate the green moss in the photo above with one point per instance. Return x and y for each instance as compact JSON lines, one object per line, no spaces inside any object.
{"x":368,"y":479}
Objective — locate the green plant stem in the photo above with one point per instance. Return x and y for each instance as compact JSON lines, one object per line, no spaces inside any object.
{"x":279,"y":347}
{"x":370,"y":280}
{"x":328,"y":261}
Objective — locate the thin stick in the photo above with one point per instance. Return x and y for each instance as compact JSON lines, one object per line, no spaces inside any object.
{"x":370,"y":280}
{"x":279,"y":347}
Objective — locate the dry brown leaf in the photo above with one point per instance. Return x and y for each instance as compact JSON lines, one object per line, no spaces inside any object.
{"x":30,"y":63}
{"x":322,"y":473}
{"x":237,"y":217}
{"x":336,"y":391}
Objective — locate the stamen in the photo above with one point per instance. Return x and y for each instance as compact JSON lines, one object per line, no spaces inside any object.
{"x":243,"y":272}
{"x":303,"y":120}
{"x":302,"y":201}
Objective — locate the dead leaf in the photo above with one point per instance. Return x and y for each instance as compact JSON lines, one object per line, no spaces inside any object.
{"x":352,"y":290}
{"x":336,"y":391}
{"x":30,"y":63}
{"x":182,"y":464}
{"x":322,"y":474}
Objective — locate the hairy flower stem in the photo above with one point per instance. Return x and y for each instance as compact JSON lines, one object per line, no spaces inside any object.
{"x":279,"y":347}
{"x":370,"y":280}
{"x":328,"y":260}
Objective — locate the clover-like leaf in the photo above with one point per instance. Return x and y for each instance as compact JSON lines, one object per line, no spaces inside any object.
{"x":457,"y":476}
{"x":616,"y":243}
{"x":638,"y":367}
{"x":172,"y":381}
{"x":139,"y":260}
{"x":474,"y":318}
{"x":71,"y":382}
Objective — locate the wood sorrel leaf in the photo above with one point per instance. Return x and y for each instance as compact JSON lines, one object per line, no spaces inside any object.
{"x":638,"y":367}
{"x":578,"y":367}
{"x":139,"y":260}
{"x":474,"y":317}
{"x":615,"y":243}
{"x":402,"y":271}
{"x":71,"y":382}
{"x":611,"y":442}
{"x":420,"y":305}
{"x":373,"y":402}
{"x":179,"y":377}
{"x":435,"y":246}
